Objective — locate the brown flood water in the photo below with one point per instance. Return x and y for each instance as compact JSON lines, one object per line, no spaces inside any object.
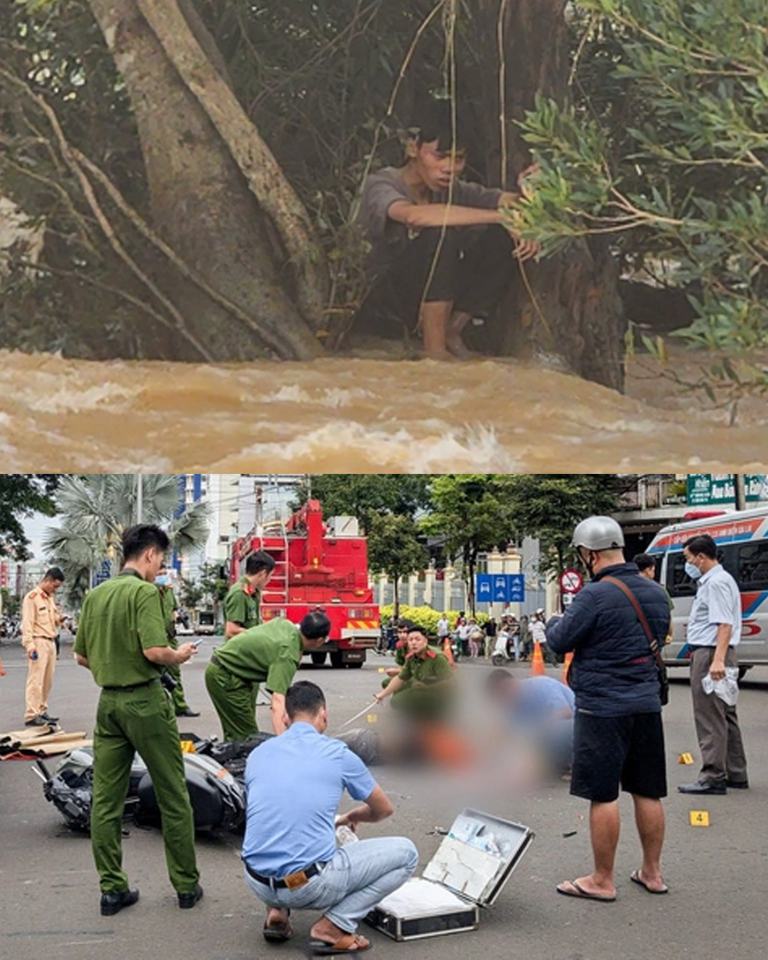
{"x":359,"y":415}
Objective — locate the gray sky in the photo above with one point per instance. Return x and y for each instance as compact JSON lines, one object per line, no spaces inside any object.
{"x":33,"y":528}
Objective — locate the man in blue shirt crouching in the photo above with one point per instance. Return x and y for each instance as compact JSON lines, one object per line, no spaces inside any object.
{"x":294,"y":784}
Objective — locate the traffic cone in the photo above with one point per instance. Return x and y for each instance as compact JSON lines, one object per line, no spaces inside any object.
{"x":566,"y":667}
{"x":2,"y":672}
{"x":449,"y":652}
{"x":537,"y":661}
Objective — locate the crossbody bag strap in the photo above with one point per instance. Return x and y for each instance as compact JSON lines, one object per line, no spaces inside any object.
{"x":640,"y":615}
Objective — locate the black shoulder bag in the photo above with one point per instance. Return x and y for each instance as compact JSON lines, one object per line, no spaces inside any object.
{"x":663,"y":676}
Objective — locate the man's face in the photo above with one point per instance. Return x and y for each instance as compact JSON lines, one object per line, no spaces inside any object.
{"x":649,"y":572}
{"x":437,"y":168}
{"x":417,"y":643}
{"x":50,"y":586}
{"x":402,"y":633}
{"x":694,"y":558}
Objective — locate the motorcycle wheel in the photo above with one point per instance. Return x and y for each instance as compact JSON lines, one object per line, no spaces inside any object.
{"x":497,"y":660}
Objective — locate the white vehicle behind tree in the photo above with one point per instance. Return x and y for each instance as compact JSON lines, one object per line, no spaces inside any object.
{"x":742,"y":548}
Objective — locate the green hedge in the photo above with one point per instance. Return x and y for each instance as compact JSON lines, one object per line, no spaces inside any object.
{"x":425,"y":617}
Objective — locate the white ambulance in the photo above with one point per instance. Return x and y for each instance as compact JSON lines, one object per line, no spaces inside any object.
{"x":742,"y":542}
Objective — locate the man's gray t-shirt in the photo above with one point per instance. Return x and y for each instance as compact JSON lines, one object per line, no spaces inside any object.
{"x":387,"y":237}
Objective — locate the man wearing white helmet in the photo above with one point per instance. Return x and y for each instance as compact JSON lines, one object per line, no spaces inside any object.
{"x":618,"y":733}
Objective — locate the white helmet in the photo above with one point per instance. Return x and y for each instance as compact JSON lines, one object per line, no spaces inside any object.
{"x":598,"y":533}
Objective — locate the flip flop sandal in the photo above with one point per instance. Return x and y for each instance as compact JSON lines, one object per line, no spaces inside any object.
{"x":636,"y":878}
{"x":349,"y":943}
{"x":580,"y":893}
{"x":278,"y":932}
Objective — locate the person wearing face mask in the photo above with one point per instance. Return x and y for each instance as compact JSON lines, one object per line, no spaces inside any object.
{"x":618,"y":731}
{"x":714,"y":631}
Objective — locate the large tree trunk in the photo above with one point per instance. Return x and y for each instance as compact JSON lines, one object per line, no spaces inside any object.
{"x":204,"y":180}
{"x":567,"y":306}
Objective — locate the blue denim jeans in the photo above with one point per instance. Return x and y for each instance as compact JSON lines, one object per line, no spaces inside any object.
{"x":357,"y":877}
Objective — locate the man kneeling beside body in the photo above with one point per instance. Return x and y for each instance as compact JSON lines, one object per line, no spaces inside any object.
{"x":294,"y":783}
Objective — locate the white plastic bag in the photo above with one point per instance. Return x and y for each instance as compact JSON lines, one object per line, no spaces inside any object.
{"x":727,"y":688}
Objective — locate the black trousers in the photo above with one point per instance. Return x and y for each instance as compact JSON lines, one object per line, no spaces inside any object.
{"x":468,"y":266}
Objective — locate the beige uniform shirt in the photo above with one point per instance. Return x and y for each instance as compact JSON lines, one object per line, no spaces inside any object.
{"x":39,"y":617}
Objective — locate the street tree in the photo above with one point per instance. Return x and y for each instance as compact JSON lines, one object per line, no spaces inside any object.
{"x":471,"y":513}
{"x":548,"y":507}
{"x":95,"y":509}
{"x":369,"y":495}
{"x":21,"y":495}
{"x":394,"y":549}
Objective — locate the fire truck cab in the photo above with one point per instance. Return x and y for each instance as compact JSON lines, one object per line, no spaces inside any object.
{"x":318,"y":566}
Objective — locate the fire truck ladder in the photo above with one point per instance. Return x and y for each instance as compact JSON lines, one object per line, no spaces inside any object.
{"x":277,"y":589}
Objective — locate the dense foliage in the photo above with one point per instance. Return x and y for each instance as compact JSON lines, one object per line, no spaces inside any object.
{"x":668,"y":153}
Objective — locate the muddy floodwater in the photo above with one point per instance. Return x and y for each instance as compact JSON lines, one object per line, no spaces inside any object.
{"x":360,"y":415}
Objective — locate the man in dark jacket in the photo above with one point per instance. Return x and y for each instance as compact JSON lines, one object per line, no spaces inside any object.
{"x":618,"y":733}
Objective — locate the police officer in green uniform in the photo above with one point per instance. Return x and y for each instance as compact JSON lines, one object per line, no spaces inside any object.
{"x":243,"y":600}
{"x":170,"y":606}
{"x":424,"y":687}
{"x":122,"y":640}
{"x":268,"y":654}
{"x":401,"y":652}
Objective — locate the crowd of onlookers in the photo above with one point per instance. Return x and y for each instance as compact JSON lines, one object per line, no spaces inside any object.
{"x":510,"y":637}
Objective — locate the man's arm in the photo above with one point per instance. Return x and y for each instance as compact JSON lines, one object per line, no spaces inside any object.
{"x":167,"y":655}
{"x":564,"y":633}
{"x":397,"y":683}
{"x":717,"y":669}
{"x":27,"y":625}
{"x":232,"y":628}
{"x":277,"y":713}
{"x":82,"y":661}
{"x":374,"y":808}
{"x":440,"y":215}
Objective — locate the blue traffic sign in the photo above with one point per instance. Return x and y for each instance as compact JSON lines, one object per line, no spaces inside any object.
{"x":500,"y":587}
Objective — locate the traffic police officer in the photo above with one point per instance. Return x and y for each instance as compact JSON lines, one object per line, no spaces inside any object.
{"x":170,"y":607}
{"x":40,"y":622}
{"x":122,"y":640}
{"x":242,"y":604}
{"x":268,"y":654}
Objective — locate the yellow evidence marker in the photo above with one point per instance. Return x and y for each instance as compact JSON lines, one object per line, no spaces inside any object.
{"x":372,"y":718}
{"x":685,"y":758}
{"x":699,"y":818}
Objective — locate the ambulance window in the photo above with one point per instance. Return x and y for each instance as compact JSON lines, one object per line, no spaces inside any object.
{"x":679,"y":584}
{"x":753,"y":566}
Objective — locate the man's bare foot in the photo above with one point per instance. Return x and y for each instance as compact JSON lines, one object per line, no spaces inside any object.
{"x":459,"y":351}
{"x":585,"y":888}
{"x":276,"y":916}
{"x":445,"y":356}
{"x":325,"y":929}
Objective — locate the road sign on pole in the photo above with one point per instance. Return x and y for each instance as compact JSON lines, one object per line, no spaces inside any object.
{"x":571,"y":581}
{"x":500,"y":587}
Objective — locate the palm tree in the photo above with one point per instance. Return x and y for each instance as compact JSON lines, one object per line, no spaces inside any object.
{"x":96,"y":508}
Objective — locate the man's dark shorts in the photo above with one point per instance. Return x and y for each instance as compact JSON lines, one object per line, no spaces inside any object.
{"x":609,"y":752}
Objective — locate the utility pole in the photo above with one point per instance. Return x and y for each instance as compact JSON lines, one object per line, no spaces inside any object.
{"x":741,"y":492}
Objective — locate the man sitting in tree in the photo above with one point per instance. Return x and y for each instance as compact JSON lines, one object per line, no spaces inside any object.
{"x":439,"y":255}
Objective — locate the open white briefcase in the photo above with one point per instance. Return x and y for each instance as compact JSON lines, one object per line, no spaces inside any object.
{"x":469,"y":870}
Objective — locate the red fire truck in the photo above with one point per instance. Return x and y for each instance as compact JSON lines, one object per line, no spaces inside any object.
{"x":317,"y":567}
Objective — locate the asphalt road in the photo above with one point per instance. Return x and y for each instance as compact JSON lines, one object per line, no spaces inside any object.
{"x":717,"y":875}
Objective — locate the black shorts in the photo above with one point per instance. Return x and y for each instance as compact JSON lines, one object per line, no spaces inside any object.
{"x":609,"y":752}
